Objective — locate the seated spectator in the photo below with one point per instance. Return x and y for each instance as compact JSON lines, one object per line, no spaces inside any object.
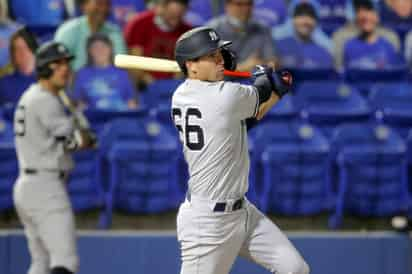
{"x":365,"y":14}
{"x":396,"y":12}
{"x":75,"y":32}
{"x":7,"y":28}
{"x":100,"y":84}
{"x":252,"y":41}
{"x":368,"y":50}
{"x":300,"y":49}
{"x":288,"y":29}
{"x":22,"y":47}
{"x":154,"y":33}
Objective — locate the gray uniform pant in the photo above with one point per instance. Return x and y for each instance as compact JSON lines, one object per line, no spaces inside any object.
{"x":211,"y":241}
{"x":44,"y":208}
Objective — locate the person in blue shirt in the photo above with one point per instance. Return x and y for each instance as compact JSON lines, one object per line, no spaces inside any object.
{"x":99,"y":84}
{"x":301,"y":49}
{"x":22,"y":46}
{"x":368,"y":50}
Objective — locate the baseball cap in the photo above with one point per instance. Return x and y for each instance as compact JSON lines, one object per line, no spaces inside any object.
{"x":305,"y":9}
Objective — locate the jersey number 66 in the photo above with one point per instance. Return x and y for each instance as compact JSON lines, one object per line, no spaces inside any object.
{"x":189,"y":128}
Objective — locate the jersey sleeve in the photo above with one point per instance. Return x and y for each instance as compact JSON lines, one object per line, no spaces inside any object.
{"x":57,"y":122}
{"x":242,"y":101}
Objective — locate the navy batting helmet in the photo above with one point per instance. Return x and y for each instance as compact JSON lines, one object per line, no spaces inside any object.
{"x":47,"y":53}
{"x":201,"y":41}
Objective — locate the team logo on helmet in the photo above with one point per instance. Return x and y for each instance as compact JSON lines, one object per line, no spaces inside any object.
{"x":61,"y":49}
{"x":213,"y":36}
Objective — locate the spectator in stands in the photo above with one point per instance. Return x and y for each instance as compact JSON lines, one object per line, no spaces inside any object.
{"x":7,"y":28}
{"x":100,"y":84}
{"x":366,"y":21}
{"x":299,"y":48}
{"x":395,"y":12}
{"x":154,"y":33}
{"x":22,"y":47}
{"x":252,"y":41}
{"x":75,"y":32}
{"x":368,"y":50}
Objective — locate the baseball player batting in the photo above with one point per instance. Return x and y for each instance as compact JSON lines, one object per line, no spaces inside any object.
{"x":44,"y":138}
{"x":216,"y":222}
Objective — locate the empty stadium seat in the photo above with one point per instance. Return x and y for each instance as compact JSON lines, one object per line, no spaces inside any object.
{"x":84,"y":188}
{"x":328,"y":104}
{"x":364,"y":79}
{"x":294,"y":161}
{"x":142,"y":157}
{"x":371,"y":163}
{"x":8,"y":174}
{"x":393,"y":105}
{"x":332,"y":14}
{"x":160,"y":92}
{"x":99,"y":118}
{"x":284,"y":110}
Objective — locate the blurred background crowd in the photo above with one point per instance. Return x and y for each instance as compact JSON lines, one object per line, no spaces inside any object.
{"x":340,"y":144}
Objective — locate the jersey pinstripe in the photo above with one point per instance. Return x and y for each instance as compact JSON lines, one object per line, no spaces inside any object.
{"x":210,"y":117}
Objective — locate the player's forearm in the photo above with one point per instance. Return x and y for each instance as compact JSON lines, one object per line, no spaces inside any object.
{"x":266,"y":106}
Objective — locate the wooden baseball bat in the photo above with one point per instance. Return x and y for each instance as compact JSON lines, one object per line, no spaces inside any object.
{"x":79,"y":117}
{"x":126,"y":61}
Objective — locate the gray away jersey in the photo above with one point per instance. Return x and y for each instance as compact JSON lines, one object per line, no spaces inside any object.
{"x":210,"y":117}
{"x":40,"y":126}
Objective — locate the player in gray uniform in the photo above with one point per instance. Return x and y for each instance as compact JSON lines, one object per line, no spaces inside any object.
{"x":44,"y":138}
{"x":216,"y":223}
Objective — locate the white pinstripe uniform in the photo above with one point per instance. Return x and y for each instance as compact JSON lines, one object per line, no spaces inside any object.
{"x":216,"y":223}
{"x":40,"y":195}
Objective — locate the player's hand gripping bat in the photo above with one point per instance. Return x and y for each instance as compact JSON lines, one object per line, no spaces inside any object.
{"x":80,"y":120}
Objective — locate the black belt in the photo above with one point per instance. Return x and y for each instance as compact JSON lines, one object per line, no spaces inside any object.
{"x":31,"y":171}
{"x":221,"y":206}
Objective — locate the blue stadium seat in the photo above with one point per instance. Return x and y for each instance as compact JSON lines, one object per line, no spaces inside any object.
{"x":8,"y":164}
{"x":270,"y":13}
{"x":332,"y":14}
{"x":142,"y":157}
{"x":99,"y":118}
{"x":393,"y":105}
{"x":301,"y":75}
{"x":330,"y":103}
{"x":84,"y":188}
{"x":409,"y":157}
{"x":294,"y":158}
{"x":6,"y":131}
{"x":371,"y":165}
{"x":162,"y":114}
{"x":160,"y":92}
{"x":8,"y":174}
{"x":284,"y":110}
{"x":364,"y":79}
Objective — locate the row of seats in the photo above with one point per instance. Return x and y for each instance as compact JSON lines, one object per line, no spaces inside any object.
{"x":295,"y":170}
